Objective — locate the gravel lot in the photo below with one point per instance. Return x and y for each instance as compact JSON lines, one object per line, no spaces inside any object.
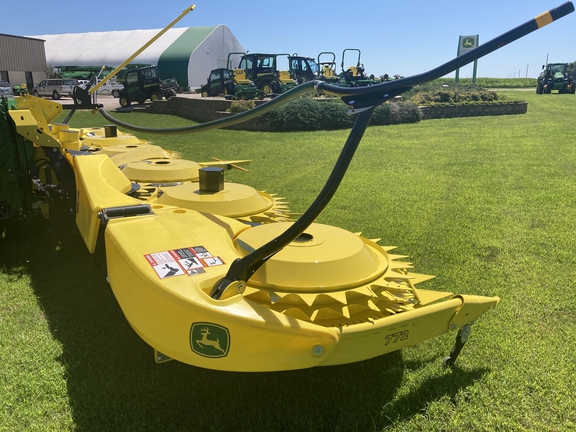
{"x":111,"y":103}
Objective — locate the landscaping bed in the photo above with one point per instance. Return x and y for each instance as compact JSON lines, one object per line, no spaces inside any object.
{"x":308,"y":113}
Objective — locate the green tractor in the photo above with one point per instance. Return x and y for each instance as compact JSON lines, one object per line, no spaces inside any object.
{"x":554,"y":76}
{"x":141,"y":84}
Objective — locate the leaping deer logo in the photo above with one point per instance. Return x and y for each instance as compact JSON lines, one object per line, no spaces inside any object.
{"x":209,"y":340}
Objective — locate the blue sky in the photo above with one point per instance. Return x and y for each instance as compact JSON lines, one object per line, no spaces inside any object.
{"x":400,"y":37}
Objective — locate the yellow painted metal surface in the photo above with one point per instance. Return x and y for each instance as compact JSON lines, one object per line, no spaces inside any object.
{"x":164,"y":310}
{"x":28,"y":127}
{"x":99,"y":185}
{"x":161,"y":170}
{"x":44,"y":111}
{"x":323,"y":257}
{"x":330,"y":297}
{"x":235,"y":200}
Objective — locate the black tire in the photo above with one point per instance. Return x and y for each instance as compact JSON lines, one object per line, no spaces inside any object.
{"x":155,"y":96}
{"x":573,"y":88}
{"x":36,"y":93}
{"x":172,"y":92}
{"x":116,"y":93}
{"x":55,"y":95}
{"x":124,"y":101}
{"x":539,"y":89}
{"x":275,"y":86}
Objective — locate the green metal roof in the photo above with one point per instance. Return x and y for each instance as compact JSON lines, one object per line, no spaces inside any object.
{"x":174,"y":60}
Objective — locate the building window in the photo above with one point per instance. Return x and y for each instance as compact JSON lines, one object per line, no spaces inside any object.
{"x":4,"y":76}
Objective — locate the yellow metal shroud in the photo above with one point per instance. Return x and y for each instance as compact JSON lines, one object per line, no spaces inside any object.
{"x":331,"y":297}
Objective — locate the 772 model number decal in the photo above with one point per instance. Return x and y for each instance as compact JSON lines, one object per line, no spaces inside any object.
{"x":396,"y":337}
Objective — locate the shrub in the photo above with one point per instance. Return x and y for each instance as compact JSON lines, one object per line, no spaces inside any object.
{"x":241,"y":106}
{"x":490,"y":82}
{"x":309,"y":114}
{"x":439,"y":93}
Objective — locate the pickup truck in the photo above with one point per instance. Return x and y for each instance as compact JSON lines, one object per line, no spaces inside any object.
{"x":110,"y":88}
{"x":55,"y":87}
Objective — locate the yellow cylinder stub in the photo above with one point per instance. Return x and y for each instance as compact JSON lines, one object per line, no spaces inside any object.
{"x":55,"y":128}
{"x":70,"y":139}
{"x":68,"y":135}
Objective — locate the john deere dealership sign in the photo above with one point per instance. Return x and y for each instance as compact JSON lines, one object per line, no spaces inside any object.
{"x":465,"y":44}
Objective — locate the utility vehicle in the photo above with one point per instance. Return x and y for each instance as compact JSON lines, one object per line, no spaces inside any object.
{"x":141,"y":84}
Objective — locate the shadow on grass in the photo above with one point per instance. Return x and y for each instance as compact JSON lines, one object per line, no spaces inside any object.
{"x":114,"y":384}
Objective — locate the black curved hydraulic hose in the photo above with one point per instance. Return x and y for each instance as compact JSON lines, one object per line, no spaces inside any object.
{"x":243,"y":268}
{"x":216,"y":124}
{"x":362,"y":101}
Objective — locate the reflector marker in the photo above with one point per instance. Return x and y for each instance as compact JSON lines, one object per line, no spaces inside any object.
{"x":544,"y":19}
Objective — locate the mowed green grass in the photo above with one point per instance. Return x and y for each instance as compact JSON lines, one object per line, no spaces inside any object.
{"x":487,"y":204}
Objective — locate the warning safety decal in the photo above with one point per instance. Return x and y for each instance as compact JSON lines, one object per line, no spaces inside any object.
{"x":177,"y":262}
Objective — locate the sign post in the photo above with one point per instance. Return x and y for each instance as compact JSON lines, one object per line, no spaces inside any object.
{"x":465,"y":44}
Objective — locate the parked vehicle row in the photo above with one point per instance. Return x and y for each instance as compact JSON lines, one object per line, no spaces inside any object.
{"x":55,"y":87}
{"x":261,"y":72}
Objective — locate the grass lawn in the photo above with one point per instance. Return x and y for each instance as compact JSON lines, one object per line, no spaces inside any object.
{"x":487,"y":204}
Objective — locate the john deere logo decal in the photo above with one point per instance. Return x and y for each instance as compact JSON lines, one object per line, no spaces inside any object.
{"x":209,"y":340}
{"x":468,"y":42}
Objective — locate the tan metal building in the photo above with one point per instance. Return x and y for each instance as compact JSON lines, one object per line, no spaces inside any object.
{"x":22,"y":60}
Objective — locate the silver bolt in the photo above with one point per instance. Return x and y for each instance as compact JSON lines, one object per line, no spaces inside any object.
{"x":318,"y":350}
